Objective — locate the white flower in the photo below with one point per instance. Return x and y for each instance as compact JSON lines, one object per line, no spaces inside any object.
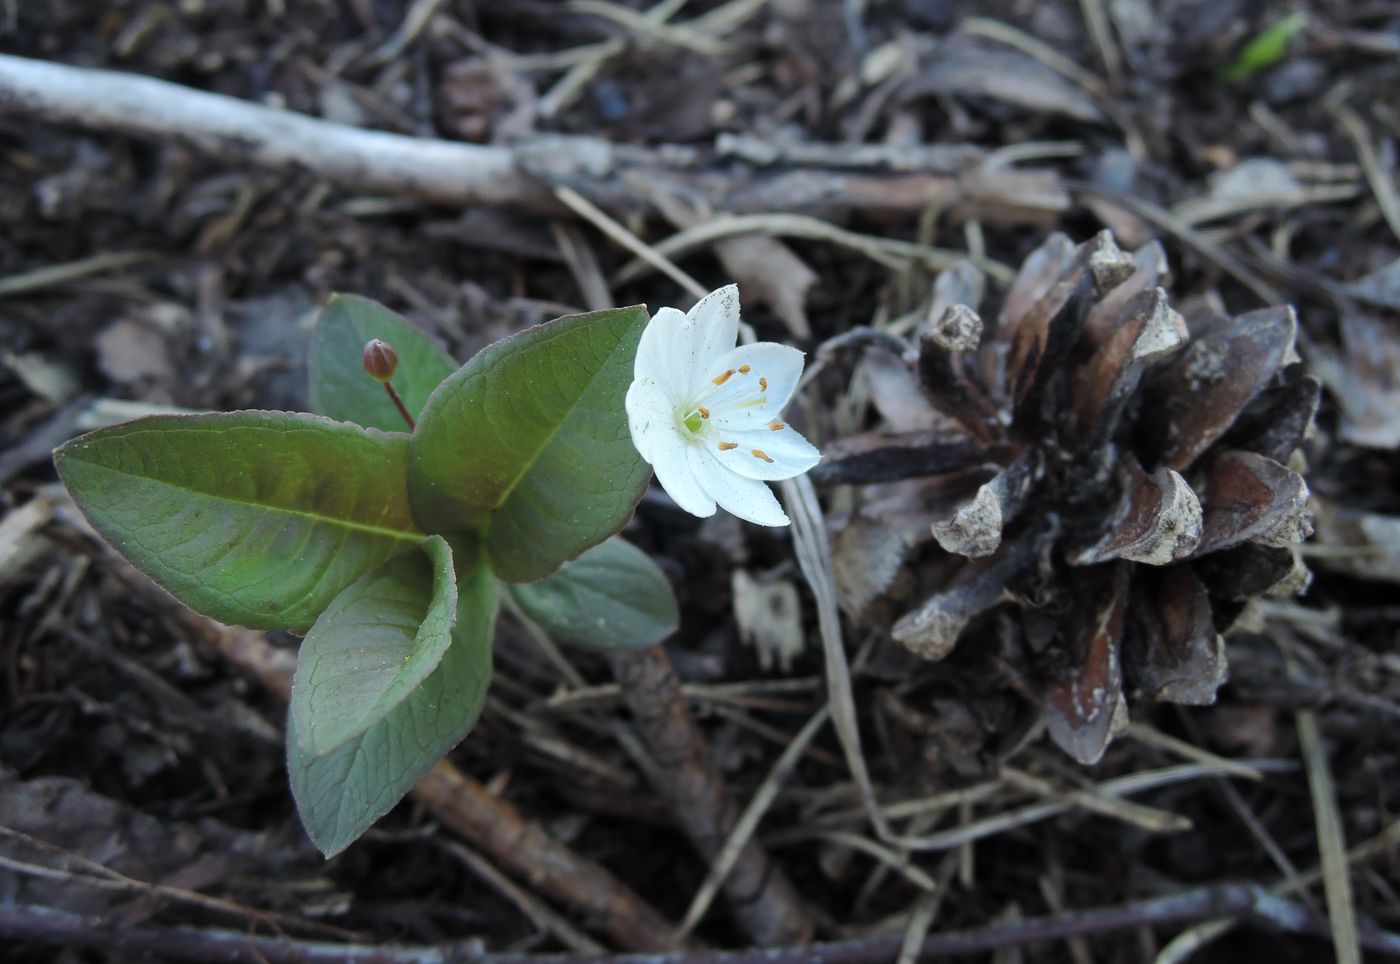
{"x":707,"y":415}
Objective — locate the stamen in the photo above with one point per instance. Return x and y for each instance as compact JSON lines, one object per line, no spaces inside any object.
{"x":760,"y":454}
{"x":721,"y":379}
{"x":726,"y":446}
{"x":704,"y":412}
{"x":744,"y":369}
{"x":774,"y":426}
{"x":762,"y":384}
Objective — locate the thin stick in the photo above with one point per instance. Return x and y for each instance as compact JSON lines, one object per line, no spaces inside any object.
{"x":1102,"y":36}
{"x":591,"y":212}
{"x":1039,"y":49}
{"x":57,"y":274}
{"x":1336,"y":876}
{"x":544,"y":917}
{"x":891,"y":252}
{"x":742,"y":832}
{"x":814,"y":558}
{"x":562,"y":94}
{"x":1188,"y":942}
{"x":760,"y":895}
{"x":58,"y":928}
{"x":1190,"y":751}
{"x":1202,"y":245}
{"x":414,"y":23}
{"x":1143,"y":817}
{"x":650,"y":27}
{"x":1376,"y":175}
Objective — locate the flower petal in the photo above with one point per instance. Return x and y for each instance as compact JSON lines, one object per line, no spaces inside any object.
{"x":652,"y":422}
{"x":650,"y":417}
{"x":653,"y":360}
{"x":711,"y":328}
{"x":746,"y":498}
{"x":765,"y":454}
{"x":674,"y":472}
{"x":752,"y":399}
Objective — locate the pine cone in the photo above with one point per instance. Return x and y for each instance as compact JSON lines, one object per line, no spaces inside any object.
{"x":1105,"y":477}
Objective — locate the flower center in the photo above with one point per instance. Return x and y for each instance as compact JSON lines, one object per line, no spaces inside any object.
{"x":694,"y":419}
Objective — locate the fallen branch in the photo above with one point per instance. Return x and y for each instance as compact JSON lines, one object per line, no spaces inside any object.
{"x":524,"y":175}
{"x":227,"y":127}
{"x":495,"y":827}
{"x":43,"y":925}
{"x":760,"y":895}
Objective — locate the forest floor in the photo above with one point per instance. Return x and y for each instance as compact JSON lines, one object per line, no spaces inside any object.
{"x":143,"y":789}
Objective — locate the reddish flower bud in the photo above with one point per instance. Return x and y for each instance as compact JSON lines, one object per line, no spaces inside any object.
{"x":380,"y":360}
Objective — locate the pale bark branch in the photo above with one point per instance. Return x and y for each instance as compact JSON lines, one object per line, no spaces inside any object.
{"x":822,"y":180}
{"x":106,"y":100}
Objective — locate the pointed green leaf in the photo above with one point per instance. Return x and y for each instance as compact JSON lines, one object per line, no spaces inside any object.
{"x":254,"y":518}
{"x":339,"y":386}
{"x":611,"y":597}
{"x":529,"y":441}
{"x":373,"y":645}
{"x":341,"y":794}
{"x":1266,"y":49}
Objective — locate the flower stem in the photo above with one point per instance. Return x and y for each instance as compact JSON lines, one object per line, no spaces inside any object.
{"x":398,"y":403}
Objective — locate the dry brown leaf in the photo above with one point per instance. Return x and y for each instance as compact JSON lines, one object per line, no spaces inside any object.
{"x":129,"y":352}
{"x":965,"y":67}
{"x":769,"y":271}
{"x":1365,"y":378}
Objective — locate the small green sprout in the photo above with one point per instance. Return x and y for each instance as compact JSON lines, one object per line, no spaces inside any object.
{"x":387,"y":549}
{"x":1265,"y":50}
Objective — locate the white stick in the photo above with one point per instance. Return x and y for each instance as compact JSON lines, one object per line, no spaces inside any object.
{"x":374,"y":161}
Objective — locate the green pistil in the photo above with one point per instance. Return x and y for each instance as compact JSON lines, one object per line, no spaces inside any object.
{"x":692,"y":422}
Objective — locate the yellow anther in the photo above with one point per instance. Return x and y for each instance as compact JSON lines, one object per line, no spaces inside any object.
{"x":760,"y":454}
{"x":726,"y":446}
{"x":774,"y":426}
{"x":762,"y":384}
{"x":744,"y":369}
{"x":721,"y":379}
{"x":704,"y":412}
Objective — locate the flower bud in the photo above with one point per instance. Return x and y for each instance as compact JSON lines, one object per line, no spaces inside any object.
{"x":380,"y":360}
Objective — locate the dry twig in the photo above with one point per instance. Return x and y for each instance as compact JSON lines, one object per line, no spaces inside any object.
{"x":45,"y":926}
{"x":761,"y":896}
{"x":466,"y":807}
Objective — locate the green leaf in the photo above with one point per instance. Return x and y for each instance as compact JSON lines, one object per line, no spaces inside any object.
{"x":340,"y":388}
{"x":529,"y":442}
{"x":611,"y":597}
{"x":373,"y":645}
{"x":339,"y":795}
{"x":1265,"y":50}
{"x":254,"y":518}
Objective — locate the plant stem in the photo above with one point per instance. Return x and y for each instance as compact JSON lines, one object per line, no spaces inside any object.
{"x":398,"y":403}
